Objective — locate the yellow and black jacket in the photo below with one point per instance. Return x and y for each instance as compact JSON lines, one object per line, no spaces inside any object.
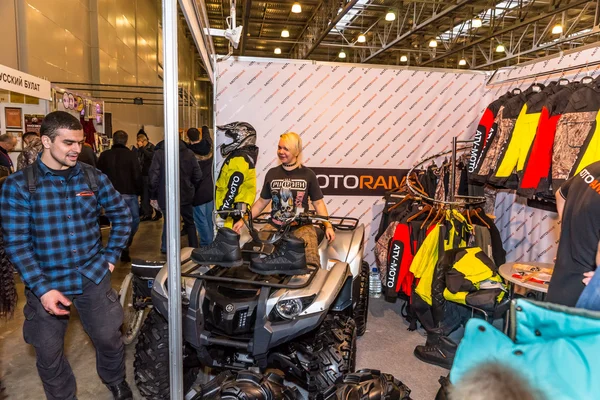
{"x":237,"y":180}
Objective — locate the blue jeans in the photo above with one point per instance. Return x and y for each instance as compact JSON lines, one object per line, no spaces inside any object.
{"x":203,"y":219}
{"x":590,"y":297}
{"x":134,"y":208}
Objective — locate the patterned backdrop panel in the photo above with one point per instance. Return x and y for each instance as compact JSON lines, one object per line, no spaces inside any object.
{"x":351,"y":118}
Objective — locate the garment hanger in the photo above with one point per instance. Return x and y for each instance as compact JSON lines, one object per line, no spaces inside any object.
{"x":428,"y":215}
{"x":439,"y":214}
{"x":587,"y":79}
{"x":425,"y":208}
{"x":476,"y":214}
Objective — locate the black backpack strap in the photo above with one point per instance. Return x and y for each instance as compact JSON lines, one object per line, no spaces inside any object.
{"x":91,"y":177}
{"x":31,"y":176}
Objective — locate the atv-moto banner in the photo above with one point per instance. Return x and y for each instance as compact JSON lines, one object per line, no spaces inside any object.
{"x":362,"y":127}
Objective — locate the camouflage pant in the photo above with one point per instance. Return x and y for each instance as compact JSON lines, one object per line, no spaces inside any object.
{"x":309,"y":235}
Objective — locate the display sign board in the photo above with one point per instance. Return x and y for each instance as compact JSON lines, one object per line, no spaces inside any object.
{"x":358,"y":181}
{"x":20,"y":82}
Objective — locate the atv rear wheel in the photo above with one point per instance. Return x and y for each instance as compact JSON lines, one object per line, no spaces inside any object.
{"x":368,"y":384}
{"x":330,"y":353}
{"x":248,"y":385}
{"x":361,"y":311}
{"x":151,"y":363}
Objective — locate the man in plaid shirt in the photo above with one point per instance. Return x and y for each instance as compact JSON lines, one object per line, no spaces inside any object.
{"x":52,"y":236}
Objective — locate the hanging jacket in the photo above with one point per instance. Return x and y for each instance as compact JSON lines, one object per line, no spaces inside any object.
{"x":535,"y":177}
{"x":574,"y":132}
{"x":519,"y":142}
{"x":237,"y":180}
{"x":505,"y":120}
{"x":486,"y":129}
{"x":553,"y":348}
{"x":457,"y":278}
{"x":423,"y":266}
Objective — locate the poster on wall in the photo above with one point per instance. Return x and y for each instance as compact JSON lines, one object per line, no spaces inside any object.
{"x":13,"y":117}
{"x":19,"y":136}
{"x":33,"y":122}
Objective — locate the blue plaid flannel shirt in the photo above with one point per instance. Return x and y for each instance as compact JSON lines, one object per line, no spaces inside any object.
{"x":52,"y":236}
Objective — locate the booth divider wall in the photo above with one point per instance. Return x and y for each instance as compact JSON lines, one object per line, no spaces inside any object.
{"x":362,"y":126}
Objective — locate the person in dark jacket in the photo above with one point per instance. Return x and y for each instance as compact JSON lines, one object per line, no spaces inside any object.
{"x":204,"y":199}
{"x":121,"y":166}
{"x":7,"y":144}
{"x":87,"y":155}
{"x":190,"y":176}
{"x":145,"y":152}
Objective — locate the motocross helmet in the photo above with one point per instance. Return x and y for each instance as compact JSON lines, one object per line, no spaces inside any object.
{"x":242,"y":134}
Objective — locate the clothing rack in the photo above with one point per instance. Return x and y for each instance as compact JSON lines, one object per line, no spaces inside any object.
{"x":470,"y":200}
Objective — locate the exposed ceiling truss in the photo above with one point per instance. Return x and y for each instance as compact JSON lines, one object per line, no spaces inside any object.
{"x":324,"y":27}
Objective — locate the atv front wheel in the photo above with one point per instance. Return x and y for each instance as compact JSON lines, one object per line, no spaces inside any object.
{"x":331,"y":353}
{"x":248,"y":385}
{"x":151,"y":362}
{"x":133,"y":317}
{"x":361,"y":311}
{"x":368,"y":384}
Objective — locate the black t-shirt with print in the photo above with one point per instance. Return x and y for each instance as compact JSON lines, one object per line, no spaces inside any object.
{"x":579,"y":236}
{"x":289,"y":190}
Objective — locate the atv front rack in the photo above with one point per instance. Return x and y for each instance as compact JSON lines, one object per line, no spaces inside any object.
{"x":339,"y":223}
{"x":216,"y":273}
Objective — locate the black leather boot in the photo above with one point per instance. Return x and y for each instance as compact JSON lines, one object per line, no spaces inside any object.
{"x":438,"y":350}
{"x":224,"y":250}
{"x":122,"y":391}
{"x":288,"y":258}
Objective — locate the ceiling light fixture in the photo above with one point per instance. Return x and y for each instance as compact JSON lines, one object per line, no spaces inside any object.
{"x":433,"y":43}
{"x":342,"y":54}
{"x":462,"y":62}
{"x":296,"y":8}
{"x":277,"y":50}
{"x":285,"y":33}
{"x":557,"y":29}
{"x":500,"y":48}
{"x":361,"y":38}
{"x":476,"y":22}
{"x":403,"y":59}
{"x":390,"y":16}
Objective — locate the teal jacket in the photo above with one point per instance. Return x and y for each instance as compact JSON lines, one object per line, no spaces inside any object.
{"x":555,"y":348}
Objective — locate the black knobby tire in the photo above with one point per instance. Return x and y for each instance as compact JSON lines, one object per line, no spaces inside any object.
{"x":368,"y":384}
{"x":361,"y":310}
{"x":331,"y":353}
{"x":246,"y":385}
{"x":151,"y":362}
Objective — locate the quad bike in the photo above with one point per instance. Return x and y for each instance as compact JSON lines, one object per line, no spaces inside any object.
{"x":234,"y":319}
{"x":135,"y":296}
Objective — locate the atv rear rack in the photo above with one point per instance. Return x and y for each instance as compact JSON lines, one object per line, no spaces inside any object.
{"x":256,"y":280}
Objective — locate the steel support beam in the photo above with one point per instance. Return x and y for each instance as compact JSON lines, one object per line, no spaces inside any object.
{"x":419,"y":27}
{"x":194,"y":13}
{"x":506,"y":30}
{"x":595,"y":31}
{"x":331,"y":25}
{"x":245,"y":24}
{"x":171,"y":112}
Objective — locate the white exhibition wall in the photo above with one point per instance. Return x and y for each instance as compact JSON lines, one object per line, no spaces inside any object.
{"x":365,"y":123}
{"x":530,"y":234}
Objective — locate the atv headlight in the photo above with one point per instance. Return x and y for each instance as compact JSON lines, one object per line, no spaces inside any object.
{"x":289,"y":309}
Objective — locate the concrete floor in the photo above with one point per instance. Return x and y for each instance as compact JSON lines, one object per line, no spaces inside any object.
{"x":386,"y":346}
